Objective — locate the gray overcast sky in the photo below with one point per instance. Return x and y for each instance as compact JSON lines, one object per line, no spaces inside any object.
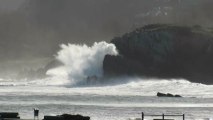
{"x":35,"y":28}
{"x":10,"y":4}
{"x":31,"y":30}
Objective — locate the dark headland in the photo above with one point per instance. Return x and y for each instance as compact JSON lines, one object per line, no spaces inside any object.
{"x":157,"y":51}
{"x":164,"y":51}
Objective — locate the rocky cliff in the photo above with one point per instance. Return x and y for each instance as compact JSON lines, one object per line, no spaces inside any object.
{"x":164,"y":51}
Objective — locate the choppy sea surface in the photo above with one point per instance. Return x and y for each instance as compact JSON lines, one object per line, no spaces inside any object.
{"x":109,"y":102}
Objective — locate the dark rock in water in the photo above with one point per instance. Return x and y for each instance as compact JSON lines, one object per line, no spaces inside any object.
{"x":164,"y":51}
{"x":9,"y":115}
{"x":67,"y":117}
{"x":75,"y":117}
{"x":161,"y":94}
{"x":53,"y":118}
{"x":167,"y":95}
{"x":178,"y":96}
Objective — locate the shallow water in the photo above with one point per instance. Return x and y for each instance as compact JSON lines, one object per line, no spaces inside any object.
{"x":115,"y":102}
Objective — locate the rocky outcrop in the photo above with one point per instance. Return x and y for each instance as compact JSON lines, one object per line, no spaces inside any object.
{"x":74,"y":117}
{"x":167,"y":95}
{"x":164,"y":51}
{"x":9,"y":115}
{"x":67,"y":117}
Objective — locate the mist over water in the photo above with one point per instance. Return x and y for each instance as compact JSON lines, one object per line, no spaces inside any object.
{"x":32,"y":30}
{"x":81,"y":61}
{"x":56,"y":95}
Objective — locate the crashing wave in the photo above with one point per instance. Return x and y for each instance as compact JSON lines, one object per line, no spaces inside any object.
{"x":81,"y":61}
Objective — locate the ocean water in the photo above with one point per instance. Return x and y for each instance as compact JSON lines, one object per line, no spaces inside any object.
{"x":62,"y":92}
{"x":112,"y":102}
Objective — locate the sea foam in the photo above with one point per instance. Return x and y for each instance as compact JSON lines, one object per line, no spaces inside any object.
{"x":81,"y":61}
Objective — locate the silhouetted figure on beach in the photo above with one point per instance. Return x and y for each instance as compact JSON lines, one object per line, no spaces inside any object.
{"x":36,"y":113}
